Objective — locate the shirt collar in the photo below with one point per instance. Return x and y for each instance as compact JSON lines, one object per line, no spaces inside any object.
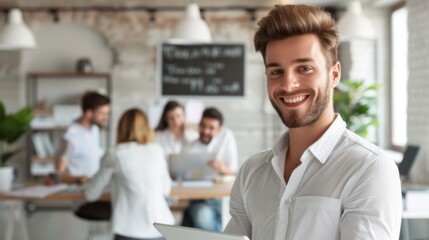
{"x":280,"y":145}
{"x":322,"y":148}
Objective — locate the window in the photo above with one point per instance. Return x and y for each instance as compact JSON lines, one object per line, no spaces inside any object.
{"x":399,"y":77}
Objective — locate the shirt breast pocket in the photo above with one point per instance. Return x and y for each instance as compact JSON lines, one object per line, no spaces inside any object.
{"x":315,"y":217}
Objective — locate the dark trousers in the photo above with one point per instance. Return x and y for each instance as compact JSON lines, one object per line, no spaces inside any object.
{"x":120,"y":237}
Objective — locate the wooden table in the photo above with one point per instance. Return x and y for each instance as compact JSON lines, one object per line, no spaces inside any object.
{"x":179,"y":190}
{"x":182,"y":191}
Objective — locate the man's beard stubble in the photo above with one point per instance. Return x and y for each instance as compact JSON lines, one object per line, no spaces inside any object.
{"x":99,"y":125}
{"x":316,"y":110}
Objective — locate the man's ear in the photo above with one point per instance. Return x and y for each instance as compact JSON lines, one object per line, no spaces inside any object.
{"x":88,"y":114}
{"x":336,"y":74}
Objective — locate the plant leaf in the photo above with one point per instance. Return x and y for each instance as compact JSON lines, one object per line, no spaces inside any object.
{"x":2,"y":111}
{"x":13,"y":126}
{"x":23,"y":116}
{"x":7,"y":156}
{"x":355,"y":102}
{"x":373,"y":87}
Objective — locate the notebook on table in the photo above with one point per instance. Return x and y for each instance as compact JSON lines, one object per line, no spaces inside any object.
{"x":173,"y":232}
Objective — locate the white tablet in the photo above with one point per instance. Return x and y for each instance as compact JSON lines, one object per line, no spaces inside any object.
{"x":173,"y":232}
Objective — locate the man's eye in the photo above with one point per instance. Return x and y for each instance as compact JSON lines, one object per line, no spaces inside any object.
{"x":275,"y":73}
{"x":305,"y":68}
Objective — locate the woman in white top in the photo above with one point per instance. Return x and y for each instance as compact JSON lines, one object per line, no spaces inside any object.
{"x":140,"y":180}
{"x":172,"y":132}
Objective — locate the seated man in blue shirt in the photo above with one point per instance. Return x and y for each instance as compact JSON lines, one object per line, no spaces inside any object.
{"x":218,"y":140}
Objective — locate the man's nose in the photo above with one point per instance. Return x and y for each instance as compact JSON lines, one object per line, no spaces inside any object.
{"x":289,"y":82}
{"x":205,"y":131}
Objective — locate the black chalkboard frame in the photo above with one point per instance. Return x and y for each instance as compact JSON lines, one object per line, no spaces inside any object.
{"x":160,"y":69}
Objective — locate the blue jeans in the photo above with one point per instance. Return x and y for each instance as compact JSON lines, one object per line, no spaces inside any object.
{"x":206,"y":214}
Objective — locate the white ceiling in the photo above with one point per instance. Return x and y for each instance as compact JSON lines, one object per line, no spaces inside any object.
{"x":176,"y":3}
{"x":376,"y":3}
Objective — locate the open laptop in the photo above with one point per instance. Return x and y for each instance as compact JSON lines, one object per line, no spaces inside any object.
{"x":405,"y":165}
{"x":191,"y":166}
{"x":173,"y":232}
{"x":410,"y":155}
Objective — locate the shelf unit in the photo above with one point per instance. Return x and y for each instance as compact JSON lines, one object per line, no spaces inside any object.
{"x":34,"y":80}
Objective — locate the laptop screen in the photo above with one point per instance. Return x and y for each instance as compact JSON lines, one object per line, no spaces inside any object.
{"x":191,"y":166}
{"x":410,"y":155}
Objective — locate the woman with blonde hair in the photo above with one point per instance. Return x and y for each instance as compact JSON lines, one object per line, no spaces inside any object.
{"x":139,"y":176}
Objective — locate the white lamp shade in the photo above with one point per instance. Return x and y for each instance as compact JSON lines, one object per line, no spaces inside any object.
{"x":192,"y":27}
{"x":354,"y":25}
{"x":16,"y":35}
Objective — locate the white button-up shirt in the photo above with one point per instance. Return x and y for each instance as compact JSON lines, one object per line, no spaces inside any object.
{"x":345,"y":188}
{"x":140,"y":180}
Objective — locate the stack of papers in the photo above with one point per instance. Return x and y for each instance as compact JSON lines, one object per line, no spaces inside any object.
{"x":38,"y":191}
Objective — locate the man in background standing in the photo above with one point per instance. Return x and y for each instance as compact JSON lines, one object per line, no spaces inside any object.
{"x":79,"y":153}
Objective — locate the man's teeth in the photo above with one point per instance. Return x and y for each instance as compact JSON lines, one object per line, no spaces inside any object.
{"x":294,"y":100}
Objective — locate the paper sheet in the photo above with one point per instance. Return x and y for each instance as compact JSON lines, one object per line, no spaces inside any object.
{"x":38,"y":191}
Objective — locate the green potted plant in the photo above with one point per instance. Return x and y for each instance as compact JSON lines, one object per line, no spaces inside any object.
{"x":12,"y":127}
{"x":355,"y":101}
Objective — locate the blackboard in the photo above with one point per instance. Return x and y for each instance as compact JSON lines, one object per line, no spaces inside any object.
{"x":201,"y":69}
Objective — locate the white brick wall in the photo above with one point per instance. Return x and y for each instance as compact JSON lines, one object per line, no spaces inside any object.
{"x":10,"y":84}
{"x":418,"y":85}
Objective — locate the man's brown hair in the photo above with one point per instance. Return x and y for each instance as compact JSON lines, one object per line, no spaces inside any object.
{"x":292,"y":20}
{"x":92,"y":100}
{"x":213,"y":113}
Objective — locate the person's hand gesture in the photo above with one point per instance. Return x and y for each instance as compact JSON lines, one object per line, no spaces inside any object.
{"x":218,"y":166}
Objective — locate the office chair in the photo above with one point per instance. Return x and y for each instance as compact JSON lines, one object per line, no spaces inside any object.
{"x":98,"y":214}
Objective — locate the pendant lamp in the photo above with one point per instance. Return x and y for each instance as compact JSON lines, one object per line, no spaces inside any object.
{"x":15,"y":34}
{"x":355,"y":25}
{"x":192,"y":27}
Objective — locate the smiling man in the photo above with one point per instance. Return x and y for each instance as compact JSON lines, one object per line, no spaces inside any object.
{"x":319,"y":181}
{"x":219,"y":141}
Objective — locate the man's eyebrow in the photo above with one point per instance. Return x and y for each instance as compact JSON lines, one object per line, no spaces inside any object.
{"x":272,"y":65}
{"x":298,"y":60}
{"x":302,"y":60}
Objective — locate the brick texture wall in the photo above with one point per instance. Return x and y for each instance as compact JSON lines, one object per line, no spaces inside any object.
{"x":418,"y":85}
